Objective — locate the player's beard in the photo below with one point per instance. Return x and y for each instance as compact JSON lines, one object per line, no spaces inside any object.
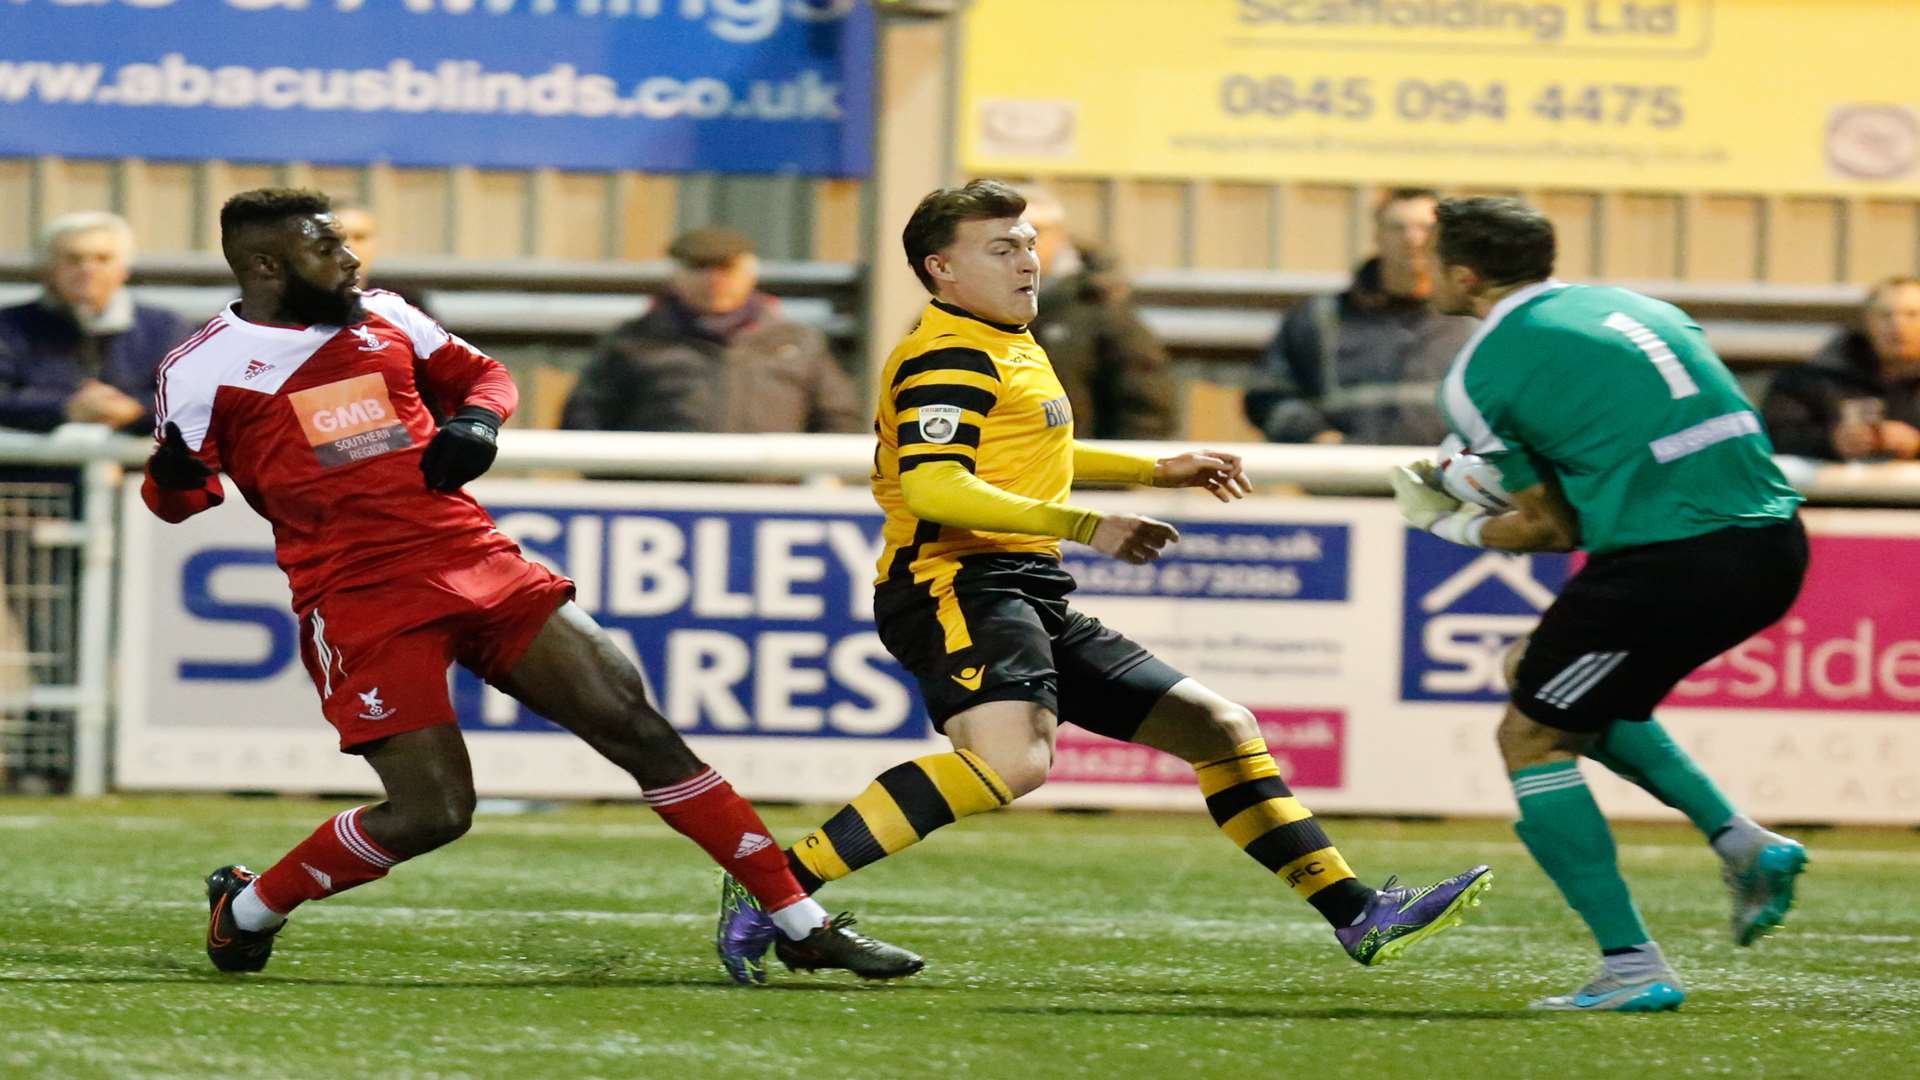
{"x":307,"y":304}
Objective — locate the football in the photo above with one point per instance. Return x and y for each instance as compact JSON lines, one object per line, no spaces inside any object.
{"x":1469,"y":477}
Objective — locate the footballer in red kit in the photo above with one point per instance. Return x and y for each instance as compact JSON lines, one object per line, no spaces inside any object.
{"x":311,"y":397}
{"x":321,"y":429}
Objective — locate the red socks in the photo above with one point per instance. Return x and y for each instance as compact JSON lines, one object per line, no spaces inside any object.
{"x":339,"y":855}
{"x":335,"y":858}
{"x":706,"y":810}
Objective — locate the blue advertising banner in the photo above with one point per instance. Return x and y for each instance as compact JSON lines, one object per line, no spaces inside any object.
{"x":1242,"y":560}
{"x":744,"y":622}
{"x":1463,"y":607}
{"x":751,"y":86}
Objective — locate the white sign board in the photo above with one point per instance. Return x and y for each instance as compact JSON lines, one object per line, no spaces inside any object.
{"x":1369,"y":652}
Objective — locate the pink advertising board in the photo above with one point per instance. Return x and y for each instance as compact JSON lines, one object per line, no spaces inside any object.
{"x":1851,"y":642}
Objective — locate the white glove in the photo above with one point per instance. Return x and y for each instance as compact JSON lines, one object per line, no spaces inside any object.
{"x":1418,"y":503}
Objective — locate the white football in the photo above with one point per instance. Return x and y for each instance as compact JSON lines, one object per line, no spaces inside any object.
{"x":1470,"y":478}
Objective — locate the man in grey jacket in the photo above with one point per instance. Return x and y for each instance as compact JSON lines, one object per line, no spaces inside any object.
{"x":1115,"y":370}
{"x":1363,"y":366}
{"x":713,"y":354}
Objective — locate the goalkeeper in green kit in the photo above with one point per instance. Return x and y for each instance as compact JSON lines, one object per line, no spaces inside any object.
{"x":1614,"y":429}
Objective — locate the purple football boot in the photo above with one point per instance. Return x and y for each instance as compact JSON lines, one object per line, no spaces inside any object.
{"x":1400,"y":915}
{"x":745,"y":933}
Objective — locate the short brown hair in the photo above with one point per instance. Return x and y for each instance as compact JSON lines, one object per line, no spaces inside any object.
{"x":1505,"y":241}
{"x":938,"y":217}
{"x":706,"y":249}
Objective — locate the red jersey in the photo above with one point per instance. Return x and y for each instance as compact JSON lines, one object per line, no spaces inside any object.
{"x":322,"y":428}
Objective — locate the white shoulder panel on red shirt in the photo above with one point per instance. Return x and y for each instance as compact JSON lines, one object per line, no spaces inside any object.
{"x":427,"y":336}
{"x":228,"y":351}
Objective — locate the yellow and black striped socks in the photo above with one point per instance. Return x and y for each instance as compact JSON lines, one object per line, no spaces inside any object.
{"x":1257,"y":811}
{"x":897,"y":810}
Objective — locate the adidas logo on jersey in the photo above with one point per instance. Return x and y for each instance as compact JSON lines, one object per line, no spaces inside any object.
{"x":255,"y":367}
{"x":750,"y":843}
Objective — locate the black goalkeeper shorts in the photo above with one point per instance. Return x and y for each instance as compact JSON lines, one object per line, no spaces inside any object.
{"x":1002,"y":630}
{"x":1635,"y":622}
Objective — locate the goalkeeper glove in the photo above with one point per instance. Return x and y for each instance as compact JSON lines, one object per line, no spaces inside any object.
{"x":462,"y":450}
{"x":1434,"y":511}
{"x":1420,"y":504}
{"x":173,"y":466}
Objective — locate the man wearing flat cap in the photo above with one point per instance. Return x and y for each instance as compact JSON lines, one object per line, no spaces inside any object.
{"x":713,"y":354}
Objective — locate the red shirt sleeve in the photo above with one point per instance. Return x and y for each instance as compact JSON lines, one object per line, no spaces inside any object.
{"x":175,"y":507}
{"x":448,"y":372}
{"x":457,"y":375}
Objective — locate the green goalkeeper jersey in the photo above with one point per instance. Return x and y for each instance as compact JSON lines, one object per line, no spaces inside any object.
{"x":1618,"y":397}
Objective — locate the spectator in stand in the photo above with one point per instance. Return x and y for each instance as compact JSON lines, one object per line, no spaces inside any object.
{"x":1364,"y":366}
{"x":1859,"y":397}
{"x":713,"y":354}
{"x":362,"y":232}
{"x":83,"y":351}
{"x":1115,"y":370}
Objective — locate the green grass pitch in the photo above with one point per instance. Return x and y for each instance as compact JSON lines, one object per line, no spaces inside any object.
{"x":577,"y":943}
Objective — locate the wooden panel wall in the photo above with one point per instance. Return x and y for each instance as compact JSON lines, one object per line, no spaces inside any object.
{"x":1626,"y":235}
{"x":1153,"y":224}
{"x":17,"y":216}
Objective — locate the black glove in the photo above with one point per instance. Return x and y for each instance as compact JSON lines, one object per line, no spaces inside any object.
{"x":463,"y":450}
{"x":173,"y":466}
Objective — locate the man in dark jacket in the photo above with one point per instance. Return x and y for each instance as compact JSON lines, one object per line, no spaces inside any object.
{"x":1859,"y":397}
{"x":714,"y":355}
{"x":84,"y":352}
{"x":1115,"y":369}
{"x":1365,"y":366}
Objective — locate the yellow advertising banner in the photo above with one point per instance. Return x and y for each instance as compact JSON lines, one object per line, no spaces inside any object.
{"x":1721,"y":95}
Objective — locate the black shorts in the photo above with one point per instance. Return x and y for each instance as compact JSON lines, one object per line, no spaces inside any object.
{"x":1635,"y":622}
{"x":1002,"y":631}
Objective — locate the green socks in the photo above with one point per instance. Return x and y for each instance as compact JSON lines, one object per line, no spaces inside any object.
{"x":1561,"y":825}
{"x":1644,"y":753}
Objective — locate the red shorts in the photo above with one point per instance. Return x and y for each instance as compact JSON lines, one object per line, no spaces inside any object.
{"x":378,"y":654}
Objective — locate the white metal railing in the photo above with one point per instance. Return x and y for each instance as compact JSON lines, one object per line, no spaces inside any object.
{"x":102,"y":458}
{"x":1345,"y":470}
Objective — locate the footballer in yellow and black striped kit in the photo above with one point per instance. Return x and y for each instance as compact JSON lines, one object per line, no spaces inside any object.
{"x":972,"y":597}
{"x":975,"y":463}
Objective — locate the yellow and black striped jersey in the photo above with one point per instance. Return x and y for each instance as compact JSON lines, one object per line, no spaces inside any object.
{"x":980,"y":394}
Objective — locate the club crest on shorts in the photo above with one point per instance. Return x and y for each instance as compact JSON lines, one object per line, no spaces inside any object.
{"x":375,"y":708}
{"x":939,"y":423}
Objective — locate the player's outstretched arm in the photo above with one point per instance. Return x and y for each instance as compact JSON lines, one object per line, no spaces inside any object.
{"x":944,"y":491}
{"x":1216,"y":470}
